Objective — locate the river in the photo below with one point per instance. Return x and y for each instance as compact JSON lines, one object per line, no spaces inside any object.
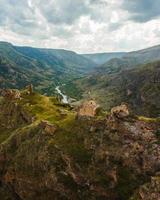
{"x":64,"y":97}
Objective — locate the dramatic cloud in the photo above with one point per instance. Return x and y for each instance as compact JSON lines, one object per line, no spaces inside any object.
{"x":142,"y":10}
{"x":63,"y":12}
{"x":83,"y":26}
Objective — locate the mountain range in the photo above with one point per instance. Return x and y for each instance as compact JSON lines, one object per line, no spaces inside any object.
{"x":103,"y":142}
{"x":44,"y":68}
{"x":101,"y":58}
{"x":109,"y":78}
{"x":134,"y":78}
{"x":131,"y":59}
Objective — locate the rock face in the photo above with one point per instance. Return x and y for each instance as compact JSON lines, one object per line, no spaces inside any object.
{"x":88,"y":109}
{"x":11,"y":94}
{"x":48,"y":128}
{"x":120,"y":112}
{"x":84,"y":160}
{"x":12,"y":114}
{"x":149,"y":191}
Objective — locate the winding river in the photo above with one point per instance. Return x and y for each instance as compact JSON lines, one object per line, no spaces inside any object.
{"x":64,"y":97}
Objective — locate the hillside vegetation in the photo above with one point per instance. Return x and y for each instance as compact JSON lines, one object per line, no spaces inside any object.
{"x":46,"y":151}
{"x":44,"y":68}
{"x":101,"y":58}
{"x":139,"y":87}
{"x":130,"y":60}
{"x":133,"y":78}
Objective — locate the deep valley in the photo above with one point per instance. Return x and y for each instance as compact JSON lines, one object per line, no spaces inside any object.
{"x":76,"y":126}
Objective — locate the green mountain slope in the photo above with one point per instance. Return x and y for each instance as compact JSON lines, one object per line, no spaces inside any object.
{"x":140,"y":87}
{"x":66,"y":60}
{"x":129,"y":79}
{"x":101,"y":58}
{"x":130,"y":60}
{"x":44,"y":68}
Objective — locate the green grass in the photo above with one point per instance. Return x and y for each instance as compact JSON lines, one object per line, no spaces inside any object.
{"x":148,"y":119}
{"x":47,"y":108}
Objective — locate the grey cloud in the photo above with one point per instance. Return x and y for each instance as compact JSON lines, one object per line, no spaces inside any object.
{"x":64,"y":12}
{"x":18,"y":17}
{"x":99,"y":2}
{"x":62,"y":32}
{"x":142,"y":10}
{"x":15,"y":12}
{"x":18,"y":13}
{"x":69,"y":11}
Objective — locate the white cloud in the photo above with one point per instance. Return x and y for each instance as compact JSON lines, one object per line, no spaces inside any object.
{"x":83,"y":26}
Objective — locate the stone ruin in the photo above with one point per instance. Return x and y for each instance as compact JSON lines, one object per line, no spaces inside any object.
{"x":47,"y":127}
{"x":88,"y":109}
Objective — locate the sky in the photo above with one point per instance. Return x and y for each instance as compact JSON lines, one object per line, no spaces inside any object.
{"x":84,"y":26}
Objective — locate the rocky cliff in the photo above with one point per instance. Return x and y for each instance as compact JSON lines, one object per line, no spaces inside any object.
{"x":55,"y":155}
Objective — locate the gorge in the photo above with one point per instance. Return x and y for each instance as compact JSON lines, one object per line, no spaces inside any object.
{"x":105,"y":145}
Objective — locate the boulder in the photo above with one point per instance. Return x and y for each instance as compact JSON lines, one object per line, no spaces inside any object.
{"x":120,"y":112}
{"x":88,"y":109}
{"x":47,"y":127}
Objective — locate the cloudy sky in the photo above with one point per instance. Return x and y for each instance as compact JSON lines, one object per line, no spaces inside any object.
{"x":81,"y":25}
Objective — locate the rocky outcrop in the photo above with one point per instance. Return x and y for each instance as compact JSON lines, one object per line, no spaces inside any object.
{"x":13,"y":115}
{"x":79,"y":159}
{"x":88,"y":109}
{"x":120,"y":112}
{"x":48,"y":128}
{"x":11,"y":94}
{"x":99,"y":165}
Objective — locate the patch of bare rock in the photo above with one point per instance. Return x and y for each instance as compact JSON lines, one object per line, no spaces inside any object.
{"x":11,"y":94}
{"x":120,"y":112}
{"x":88,"y":109}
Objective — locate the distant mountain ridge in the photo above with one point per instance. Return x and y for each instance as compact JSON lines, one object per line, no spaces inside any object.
{"x":131,"y":59}
{"x":47,"y":68}
{"x":134,"y":78}
{"x":53,"y":56}
{"x":44,"y":68}
{"x":101,"y":58}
